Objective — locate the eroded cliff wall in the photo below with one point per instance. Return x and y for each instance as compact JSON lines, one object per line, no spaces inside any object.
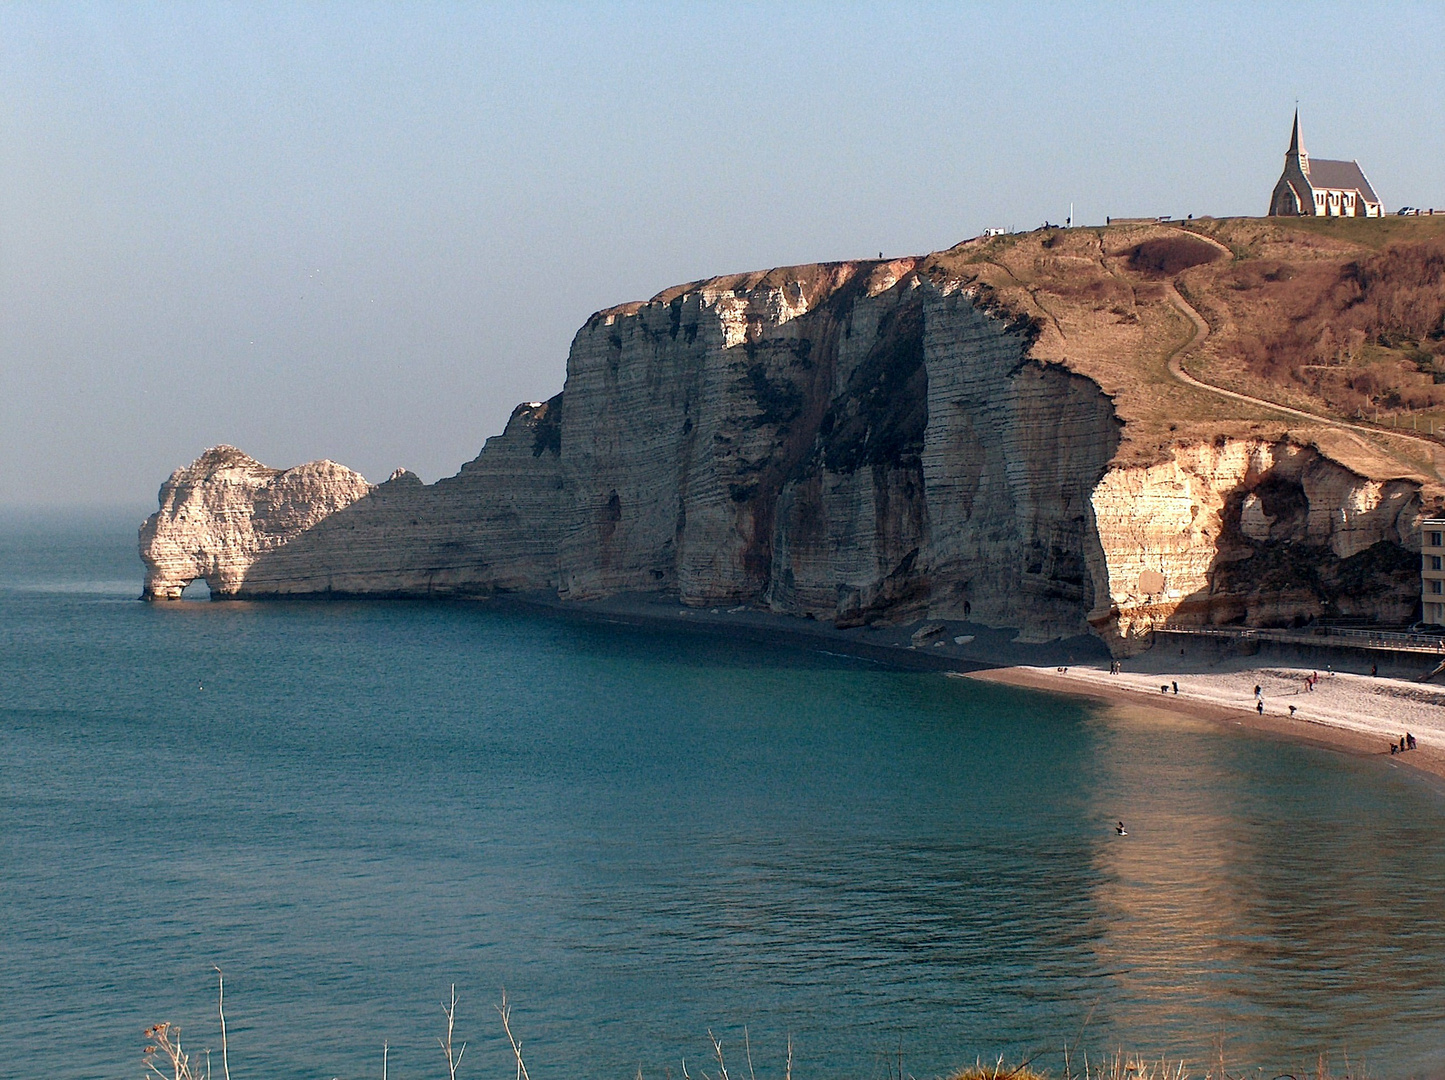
{"x":852,"y":442}
{"x":492,"y":526}
{"x":225,"y":509}
{"x":1252,"y":532}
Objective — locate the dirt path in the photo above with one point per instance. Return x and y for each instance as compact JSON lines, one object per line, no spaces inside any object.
{"x":1201,"y":332}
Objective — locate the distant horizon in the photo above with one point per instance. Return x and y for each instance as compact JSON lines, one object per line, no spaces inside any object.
{"x":367,"y":234}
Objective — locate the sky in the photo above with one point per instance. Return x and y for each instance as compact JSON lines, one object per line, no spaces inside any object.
{"x":366,"y":232}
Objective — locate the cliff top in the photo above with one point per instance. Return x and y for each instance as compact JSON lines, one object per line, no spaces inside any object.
{"x":1329,"y":330}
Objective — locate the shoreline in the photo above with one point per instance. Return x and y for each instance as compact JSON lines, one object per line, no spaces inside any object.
{"x":1347,"y":713}
{"x":1364,"y":741}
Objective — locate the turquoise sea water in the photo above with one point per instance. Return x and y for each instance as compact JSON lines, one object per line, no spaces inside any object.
{"x":642,"y":835}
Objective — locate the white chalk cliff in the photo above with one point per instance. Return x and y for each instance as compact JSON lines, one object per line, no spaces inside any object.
{"x":853,"y":442}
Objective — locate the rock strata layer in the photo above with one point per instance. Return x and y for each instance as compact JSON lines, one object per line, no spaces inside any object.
{"x":853,"y":442}
{"x":223,"y":511}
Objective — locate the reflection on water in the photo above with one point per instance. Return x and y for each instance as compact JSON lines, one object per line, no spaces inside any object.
{"x":643,"y":835}
{"x":1273,"y":908}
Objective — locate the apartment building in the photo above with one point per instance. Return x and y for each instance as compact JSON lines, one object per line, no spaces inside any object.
{"x":1432,"y":571}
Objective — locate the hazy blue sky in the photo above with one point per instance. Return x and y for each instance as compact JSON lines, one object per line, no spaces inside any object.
{"x":366,"y":232}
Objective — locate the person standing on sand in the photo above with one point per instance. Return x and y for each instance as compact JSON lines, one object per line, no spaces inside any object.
{"x":1176,"y":687}
{"x":1259,"y":707}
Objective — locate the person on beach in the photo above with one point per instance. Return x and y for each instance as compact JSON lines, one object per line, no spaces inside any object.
{"x":1291,"y":712}
{"x":1394,"y":749}
{"x":1259,"y":707}
{"x":1374,"y":671}
{"x":1410,"y":740}
{"x":1176,"y":686}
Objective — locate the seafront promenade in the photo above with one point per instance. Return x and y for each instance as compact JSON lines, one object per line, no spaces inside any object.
{"x":1321,"y":637}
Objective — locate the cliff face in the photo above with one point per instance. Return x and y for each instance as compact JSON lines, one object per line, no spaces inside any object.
{"x":492,"y":526}
{"x":892,"y":440}
{"x":850,"y":442}
{"x":1244,"y":531}
{"x":226,"y":509}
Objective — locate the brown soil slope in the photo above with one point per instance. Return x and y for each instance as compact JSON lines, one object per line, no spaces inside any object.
{"x":1341,"y":322}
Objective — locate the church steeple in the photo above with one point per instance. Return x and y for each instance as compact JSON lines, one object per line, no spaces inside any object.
{"x":1297,"y":146}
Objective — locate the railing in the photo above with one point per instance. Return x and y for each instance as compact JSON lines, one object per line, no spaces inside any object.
{"x":1378,"y":639}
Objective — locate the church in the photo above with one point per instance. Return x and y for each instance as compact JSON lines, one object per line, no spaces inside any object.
{"x":1321,"y":188}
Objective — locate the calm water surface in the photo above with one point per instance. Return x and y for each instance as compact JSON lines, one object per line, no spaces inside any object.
{"x":641,"y":835}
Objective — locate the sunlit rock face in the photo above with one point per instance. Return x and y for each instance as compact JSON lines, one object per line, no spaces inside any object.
{"x":855,"y":442}
{"x":1249,"y":531}
{"x":321,"y":530}
{"x":221,"y":512}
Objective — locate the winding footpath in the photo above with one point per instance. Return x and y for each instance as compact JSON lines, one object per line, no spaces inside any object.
{"x":1201,"y":331}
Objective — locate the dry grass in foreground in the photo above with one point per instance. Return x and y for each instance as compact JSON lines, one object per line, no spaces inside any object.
{"x":165,"y":1059}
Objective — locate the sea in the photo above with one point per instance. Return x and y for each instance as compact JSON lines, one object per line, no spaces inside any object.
{"x":645,"y":840}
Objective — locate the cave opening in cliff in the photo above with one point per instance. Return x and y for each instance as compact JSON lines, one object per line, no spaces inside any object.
{"x":196,"y":590}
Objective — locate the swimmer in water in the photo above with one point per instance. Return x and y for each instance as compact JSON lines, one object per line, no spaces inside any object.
{"x":1120,"y":829}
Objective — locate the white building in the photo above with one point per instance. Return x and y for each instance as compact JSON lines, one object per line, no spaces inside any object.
{"x":1321,"y":188}
{"x":1432,"y":571}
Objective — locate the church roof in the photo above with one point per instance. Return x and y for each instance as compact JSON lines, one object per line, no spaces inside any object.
{"x":1342,"y":175}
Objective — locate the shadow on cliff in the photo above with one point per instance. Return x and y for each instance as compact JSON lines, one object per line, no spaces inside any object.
{"x":1270,"y":574}
{"x":489,"y":528}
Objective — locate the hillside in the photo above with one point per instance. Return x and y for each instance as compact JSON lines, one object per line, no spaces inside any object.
{"x":1055,"y":432}
{"x":1339,"y":318}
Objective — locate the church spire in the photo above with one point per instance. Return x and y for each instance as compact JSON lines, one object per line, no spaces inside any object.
{"x":1296,"y":145}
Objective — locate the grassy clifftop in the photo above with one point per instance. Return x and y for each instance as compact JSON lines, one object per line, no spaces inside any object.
{"x":1330,"y":330}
